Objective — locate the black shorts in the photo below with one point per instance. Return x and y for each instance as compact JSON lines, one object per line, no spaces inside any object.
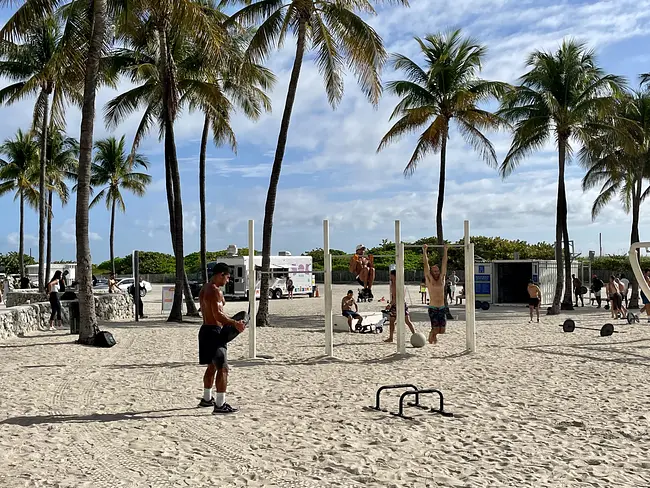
{"x":213,"y":345}
{"x":533,"y":302}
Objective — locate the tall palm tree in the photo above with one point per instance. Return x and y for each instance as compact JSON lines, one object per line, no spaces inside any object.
{"x":62,"y":163}
{"x":155,"y":34}
{"x":39,"y":68}
{"x":618,"y":159}
{"x":339,"y":36}
{"x":446,"y":88}
{"x":116,"y":170}
{"x":565,"y":96}
{"x":242,"y":85}
{"x":18,"y":173}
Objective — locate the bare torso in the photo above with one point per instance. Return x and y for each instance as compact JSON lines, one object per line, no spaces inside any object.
{"x":436,"y":290}
{"x":209,"y":294}
{"x":347,"y":303}
{"x":533,"y":291}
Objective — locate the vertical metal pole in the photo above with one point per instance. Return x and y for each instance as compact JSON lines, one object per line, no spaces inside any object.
{"x":399,"y":289}
{"x":329,"y":326}
{"x":470,"y":293}
{"x":136,"y":284}
{"x":252,"y":322}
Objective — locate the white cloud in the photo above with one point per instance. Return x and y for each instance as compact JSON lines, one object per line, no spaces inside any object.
{"x":66,"y":233}
{"x":13,"y":239}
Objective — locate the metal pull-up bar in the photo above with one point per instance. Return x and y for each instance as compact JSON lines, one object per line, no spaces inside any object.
{"x":420,"y":246}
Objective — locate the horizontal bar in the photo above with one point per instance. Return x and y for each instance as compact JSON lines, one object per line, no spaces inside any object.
{"x":420,"y":246}
{"x":365,"y":255}
{"x":290,"y":272}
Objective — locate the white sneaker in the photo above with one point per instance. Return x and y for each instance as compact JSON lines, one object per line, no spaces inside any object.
{"x":52,"y":327}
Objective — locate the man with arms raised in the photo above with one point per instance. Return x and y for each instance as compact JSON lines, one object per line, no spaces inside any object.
{"x":364,"y":269}
{"x":217,"y":330}
{"x":435,"y":278}
{"x":534,"y":299}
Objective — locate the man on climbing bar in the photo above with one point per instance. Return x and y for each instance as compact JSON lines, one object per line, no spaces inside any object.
{"x":217,"y":330}
{"x":435,"y":279}
{"x":364,"y":269}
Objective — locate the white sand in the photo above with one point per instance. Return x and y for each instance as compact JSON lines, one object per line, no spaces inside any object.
{"x":534,"y":407}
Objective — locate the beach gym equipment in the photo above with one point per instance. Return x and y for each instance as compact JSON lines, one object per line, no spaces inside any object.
{"x":606,"y":330}
{"x":632,"y":318}
{"x":416,"y":392}
{"x":418,"y":340}
{"x":479,"y":305}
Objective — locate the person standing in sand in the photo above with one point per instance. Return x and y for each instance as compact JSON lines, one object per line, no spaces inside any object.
{"x":534,"y":299}
{"x":217,"y":330}
{"x":435,"y":279}
{"x":392,"y":309}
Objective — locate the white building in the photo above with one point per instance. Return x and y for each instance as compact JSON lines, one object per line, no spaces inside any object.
{"x":32,"y":272}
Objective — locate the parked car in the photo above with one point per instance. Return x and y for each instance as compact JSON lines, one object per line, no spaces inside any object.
{"x":126,"y":283}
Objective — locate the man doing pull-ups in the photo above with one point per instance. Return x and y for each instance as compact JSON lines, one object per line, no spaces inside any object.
{"x":435,"y":278}
{"x":364,"y":269}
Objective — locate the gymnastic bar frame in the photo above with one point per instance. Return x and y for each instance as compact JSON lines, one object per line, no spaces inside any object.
{"x":470,"y":308}
{"x":636,"y":266}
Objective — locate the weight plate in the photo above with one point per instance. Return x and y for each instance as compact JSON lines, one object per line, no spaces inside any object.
{"x":485,"y":306}
{"x":569,"y":325}
{"x":606,"y":330}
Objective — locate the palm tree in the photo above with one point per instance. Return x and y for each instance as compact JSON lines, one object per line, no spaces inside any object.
{"x":565,"y":97}
{"x":618,"y":158}
{"x":39,"y":69}
{"x":339,"y":36}
{"x":447,"y":88}
{"x":115,"y":169}
{"x":62,"y":162}
{"x":18,"y":173}
{"x":170,"y":75}
{"x":241,"y":83}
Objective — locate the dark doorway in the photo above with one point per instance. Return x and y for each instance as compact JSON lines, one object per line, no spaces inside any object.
{"x":513,"y":280}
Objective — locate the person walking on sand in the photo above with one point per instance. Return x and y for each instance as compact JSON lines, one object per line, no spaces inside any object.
{"x":597,"y":287}
{"x":626,"y":288}
{"x":217,"y":330}
{"x":614,"y":295}
{"x":423,"y":292}
{"x":534,"y":299}
{"x":392,"y":309}
{"x":348,"y":303}
{"x":55,"y":303}
{"x":577,"y":289}
{"x":290,"y":287}
{"x":435,"y":279}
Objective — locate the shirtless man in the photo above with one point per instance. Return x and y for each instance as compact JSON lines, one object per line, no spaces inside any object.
{"x":350,"y":310}
{"x":392,"y":309}
{"x":364,"y":269}
{"x":534,"y":299}
{"x":435,"y":278}
{"x":217,"y":330}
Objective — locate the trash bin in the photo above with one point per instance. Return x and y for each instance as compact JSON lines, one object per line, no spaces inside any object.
{"x":74,"y":317}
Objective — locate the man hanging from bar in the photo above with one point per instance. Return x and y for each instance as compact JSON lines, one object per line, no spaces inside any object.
{"x":435,"y":278}
{"x":364,"y":269}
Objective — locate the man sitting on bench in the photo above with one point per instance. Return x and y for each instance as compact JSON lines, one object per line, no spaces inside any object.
{"x":347,"y":304}
{"x":363,"y":268}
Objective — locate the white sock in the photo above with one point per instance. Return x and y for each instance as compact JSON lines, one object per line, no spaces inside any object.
{"x":221,"y":399}
{"x":207,"y":394}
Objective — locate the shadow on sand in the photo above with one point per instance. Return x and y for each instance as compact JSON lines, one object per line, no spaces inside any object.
{"x":28,"y":421}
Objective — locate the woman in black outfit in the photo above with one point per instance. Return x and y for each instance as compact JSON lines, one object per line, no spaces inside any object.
{"x":52,"y":290}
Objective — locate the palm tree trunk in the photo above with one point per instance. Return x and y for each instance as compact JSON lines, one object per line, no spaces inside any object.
{"x":48,"y":262}
{"x":267,"y":231}
{"x":112,"y":236}
{"x":21,"y":235}
{"x":42,"y":192}
{"x":634,"y":237}
{"x":559,"y":228}
{"x":441,"y":186}
{"x":204,"y":146}
{"x":88,"y":320}
{"x":567,"y":302}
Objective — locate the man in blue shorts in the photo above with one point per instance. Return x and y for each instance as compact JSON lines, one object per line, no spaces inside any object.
{"x":435,"y":279}
{"x":347,"y":305}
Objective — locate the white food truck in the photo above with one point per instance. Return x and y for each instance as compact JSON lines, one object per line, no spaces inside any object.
{"x":299,"y":268}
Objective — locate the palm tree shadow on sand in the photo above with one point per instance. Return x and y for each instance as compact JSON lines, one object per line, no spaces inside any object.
{"x":28,"y":421}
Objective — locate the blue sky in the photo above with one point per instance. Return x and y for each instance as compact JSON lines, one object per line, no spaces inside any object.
{"x":331,"y":169}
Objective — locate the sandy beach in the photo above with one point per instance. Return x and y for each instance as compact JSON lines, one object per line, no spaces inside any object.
{"x":533,"y":407}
